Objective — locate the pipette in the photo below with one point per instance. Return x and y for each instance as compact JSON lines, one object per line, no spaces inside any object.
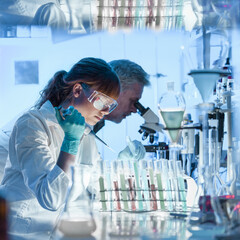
{"x":88,"y":130}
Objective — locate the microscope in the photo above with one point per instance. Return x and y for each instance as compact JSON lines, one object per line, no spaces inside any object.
{"x":150,"y":127}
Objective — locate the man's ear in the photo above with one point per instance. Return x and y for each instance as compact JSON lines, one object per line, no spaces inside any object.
{"x":77,"y":89}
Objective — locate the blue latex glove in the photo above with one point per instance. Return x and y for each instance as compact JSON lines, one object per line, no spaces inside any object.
{"x":73,"y":125}
{"x":134,"y":151}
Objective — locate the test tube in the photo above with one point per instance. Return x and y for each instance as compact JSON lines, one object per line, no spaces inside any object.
{"x":174,"y":182}
{"x":184,"y":151}
{"x":143,"y":164}
{"x":115,"y":184}
{"x":129,"y":170}
{"x":108,"y":183}
{"x":138,"y":188}
{"x":158,"y":167}
{"x":167,"y":185}
{"x":188,"y":150}
{"x":161,"y":154}
{"x":152,"y":185}
{"x":181,"y":185}
{"x":123,"y":185}
{"x":102,"y":187}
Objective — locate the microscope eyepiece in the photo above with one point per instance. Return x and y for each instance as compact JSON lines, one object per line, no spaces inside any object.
{"x":140,"y":107}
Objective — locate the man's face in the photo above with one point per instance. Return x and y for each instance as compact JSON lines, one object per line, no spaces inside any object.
{"x":126,"y":101}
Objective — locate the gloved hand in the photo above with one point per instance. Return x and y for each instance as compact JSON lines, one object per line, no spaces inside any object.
{"x":73,"y":125}
{"x":135,"y":150}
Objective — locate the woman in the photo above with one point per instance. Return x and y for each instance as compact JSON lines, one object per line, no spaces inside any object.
{"x":45,"y":141}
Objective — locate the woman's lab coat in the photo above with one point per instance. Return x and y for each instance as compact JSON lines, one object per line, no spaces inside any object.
{"x":34,"y":185}
{"x":5,"y":133}
{"x":3,"y":152}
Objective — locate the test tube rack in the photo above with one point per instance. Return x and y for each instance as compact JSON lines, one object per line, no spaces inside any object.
{"x":154,"y":192}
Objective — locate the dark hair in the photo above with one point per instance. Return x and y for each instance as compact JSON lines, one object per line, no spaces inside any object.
{"x":129,"y":73}
{"x":93,"y":71}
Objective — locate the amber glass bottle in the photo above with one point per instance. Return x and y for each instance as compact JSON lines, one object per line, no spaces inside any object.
{"x":3,"y":218}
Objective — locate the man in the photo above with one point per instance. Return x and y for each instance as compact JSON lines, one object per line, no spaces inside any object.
{"x":133,"y":79}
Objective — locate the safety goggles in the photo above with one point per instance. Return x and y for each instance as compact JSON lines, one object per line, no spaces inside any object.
{"x":99,"y":100}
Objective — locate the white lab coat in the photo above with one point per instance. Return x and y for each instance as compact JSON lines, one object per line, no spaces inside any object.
{"x":34,"y":185}
{"x":3,"y":152}
{"x":5,"y":133}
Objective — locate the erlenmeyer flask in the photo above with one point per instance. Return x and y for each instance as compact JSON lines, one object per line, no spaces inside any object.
{"x":77,"y":219}
{"x":171,"y":108}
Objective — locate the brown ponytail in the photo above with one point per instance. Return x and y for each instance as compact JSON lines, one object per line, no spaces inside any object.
{"x":93,"y":71}
{"x":55,"y":91}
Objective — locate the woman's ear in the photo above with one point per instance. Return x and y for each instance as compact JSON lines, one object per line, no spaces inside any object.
{"x":77,"y":89}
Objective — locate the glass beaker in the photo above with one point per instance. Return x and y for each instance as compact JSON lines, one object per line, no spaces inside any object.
{"x":77,"y":219}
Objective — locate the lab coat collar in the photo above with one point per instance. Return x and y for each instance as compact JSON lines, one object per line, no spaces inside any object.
{"x":48,"y":111}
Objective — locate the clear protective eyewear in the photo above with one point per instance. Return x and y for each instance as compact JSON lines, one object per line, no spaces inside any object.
{"x":100,"y":101}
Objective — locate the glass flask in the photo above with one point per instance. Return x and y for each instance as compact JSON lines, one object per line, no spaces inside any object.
{"x":77,"y":219}
{"x":171,"y":108}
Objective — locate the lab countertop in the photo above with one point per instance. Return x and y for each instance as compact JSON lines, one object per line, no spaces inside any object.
{"x":135,"y":226}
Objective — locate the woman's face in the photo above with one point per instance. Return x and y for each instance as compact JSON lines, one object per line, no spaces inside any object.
{"x":89,"y":112}
{"x":80,"y":101}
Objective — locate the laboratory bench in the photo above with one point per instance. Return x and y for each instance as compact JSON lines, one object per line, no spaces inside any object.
{"x":136,"y":226}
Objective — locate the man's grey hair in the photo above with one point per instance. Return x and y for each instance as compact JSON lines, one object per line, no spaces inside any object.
{"x":129,"y":73}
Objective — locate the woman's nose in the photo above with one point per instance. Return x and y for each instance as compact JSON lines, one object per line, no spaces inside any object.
{"x":104,"y":112}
